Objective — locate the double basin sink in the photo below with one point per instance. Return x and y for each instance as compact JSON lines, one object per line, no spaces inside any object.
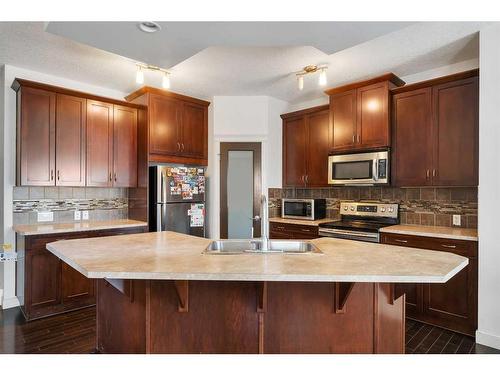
{"x":228,"y":247}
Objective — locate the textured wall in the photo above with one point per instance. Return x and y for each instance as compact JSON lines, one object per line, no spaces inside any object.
{"x":421,"y":206}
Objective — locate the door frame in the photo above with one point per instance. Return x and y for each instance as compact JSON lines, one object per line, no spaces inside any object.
{"x":225,"y":147}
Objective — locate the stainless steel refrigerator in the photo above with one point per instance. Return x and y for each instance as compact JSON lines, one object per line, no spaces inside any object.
{"x":177,"y":199}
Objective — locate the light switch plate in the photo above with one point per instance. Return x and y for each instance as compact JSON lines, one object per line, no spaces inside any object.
{"x":45,"y":216}
{"x":78,"y":215}
{"x":456,"y":220}
{"x":85,"y":215}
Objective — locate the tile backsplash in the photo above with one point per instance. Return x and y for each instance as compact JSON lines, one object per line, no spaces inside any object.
{"x":102,"y":203}
{"x":420,"y":206}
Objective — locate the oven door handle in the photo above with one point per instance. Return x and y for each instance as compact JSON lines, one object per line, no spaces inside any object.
{"x":348,"y":233}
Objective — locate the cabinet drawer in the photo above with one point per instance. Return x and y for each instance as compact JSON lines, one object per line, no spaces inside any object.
{"x":460,"y":247}
{"x":294,"y":230}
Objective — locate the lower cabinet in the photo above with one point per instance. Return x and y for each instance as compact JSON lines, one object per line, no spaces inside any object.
{"x":292,"y":231}
{"x":47,"y":286}
{"x":452,"y":305}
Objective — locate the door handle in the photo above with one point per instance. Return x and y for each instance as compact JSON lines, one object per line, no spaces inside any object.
{"x":256,"y":218}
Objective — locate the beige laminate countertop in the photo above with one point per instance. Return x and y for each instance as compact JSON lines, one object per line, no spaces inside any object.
{"x":175,"y":256}
{"x":299,"y":222}
{"x":37,"y":229}
{"x":429,"y":231}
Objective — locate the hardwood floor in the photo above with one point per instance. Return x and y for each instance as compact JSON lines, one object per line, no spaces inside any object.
{"x":74,"y":332}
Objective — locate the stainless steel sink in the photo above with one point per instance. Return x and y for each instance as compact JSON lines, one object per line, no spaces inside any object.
{"x":228,"y":247}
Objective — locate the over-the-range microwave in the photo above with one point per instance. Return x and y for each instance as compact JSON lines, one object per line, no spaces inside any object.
{"x":369,"y":168}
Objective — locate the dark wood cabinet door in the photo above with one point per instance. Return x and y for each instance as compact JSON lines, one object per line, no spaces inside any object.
{"x":318,"y":126}
{"x":412,"y":138}
{"x":456,"y":133}
{"x":343,"y":115}
{"x":75,"y":286}
{"x":124,"y":146}
{"x":164,"y":125}
{"x":294,"y":151}
{"x":455,"y":301}
{"x":372,"y":128}
{"x":44,"y":270}
{"x":71,"y":120}
{"x":99,"y":143}
{"x":194,"y":130}
{"x":36,"y":137}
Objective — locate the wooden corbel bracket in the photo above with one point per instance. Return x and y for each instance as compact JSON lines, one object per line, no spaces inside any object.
{"x":125,"y":287}
{"x":341,"y":295}
{"x":182,"y":289}
{"x":394,"y":293}
{"x":262,"y":296}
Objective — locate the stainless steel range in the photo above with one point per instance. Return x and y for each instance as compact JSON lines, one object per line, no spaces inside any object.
{"x":361,"y":221}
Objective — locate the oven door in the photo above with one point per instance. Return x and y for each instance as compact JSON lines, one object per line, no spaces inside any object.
{"x":358,"y":169}
{"x":349,"y":234}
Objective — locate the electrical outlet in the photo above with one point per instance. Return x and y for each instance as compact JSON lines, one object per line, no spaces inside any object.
{"x":456,"y":220}
{"x":45,"y":216}
{"x":78,"y":215}
{"x":85,"y":215}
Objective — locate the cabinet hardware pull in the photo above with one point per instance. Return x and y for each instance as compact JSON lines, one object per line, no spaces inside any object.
{"x":353,"y":138}
{"x":358,"y":137}
{"x":110,"y":177}
{"x":307,"y":178}
{"x":58,"y":175}
{"x":182,"y":145}
{"x":51,"y":175}
{"x":434,"y":173}
{"x":402,"y":241}
{"x":449,"y":246}
{"x":178,"y":146}
{"x":428,"y":174}
{"x":115,"y":176}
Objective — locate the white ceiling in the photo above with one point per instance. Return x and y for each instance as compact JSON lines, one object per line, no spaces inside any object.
{"x":177,"y":41}
{"x":243,"y":69}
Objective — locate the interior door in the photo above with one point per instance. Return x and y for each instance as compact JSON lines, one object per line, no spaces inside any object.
{"x":318,"y":125}
{"x":37,"y":137}
{"x":373,"y":116}
{"x":164,"y":125}
{"x":99,"y":143}
{"x":412,"y":138}
{"x":456,"y":133}
{"x":71,"y":118}
{"x":294,"y":151}
{"x":194,"y":130}
{"x":343,"y":112}
{"x":124,"y":146}
{"x":240,"y":190}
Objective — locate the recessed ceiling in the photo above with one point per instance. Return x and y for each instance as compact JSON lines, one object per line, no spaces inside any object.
{"x":177,"y":41}
{"x":243,"y":70}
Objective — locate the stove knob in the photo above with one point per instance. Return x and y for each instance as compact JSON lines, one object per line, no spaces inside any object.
{"x":352,"y":208}
{"x":346,"y":208}
{"x":391,"y":209}
{"x":382,"y":209}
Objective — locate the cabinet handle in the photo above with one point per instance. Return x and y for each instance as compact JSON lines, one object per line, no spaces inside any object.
{"x":305,"y":230}
{"x":358,"y":137}
{"x":402,"y":241}
{"x":434,"y":173}
{"x":110,"y":177}
{"x":178,"y":146}
{"x":449,"y":246}
{"x":307,"y":178}
{"x":182,"y":145}
{"x":58,"y":175}
{"x":115,"y":176}
{"x":51,"y":175}
{"x":428,"y":174}
{"x":353,"y":138}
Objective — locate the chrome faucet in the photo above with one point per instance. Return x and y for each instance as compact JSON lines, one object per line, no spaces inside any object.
{"x":264,"y":217}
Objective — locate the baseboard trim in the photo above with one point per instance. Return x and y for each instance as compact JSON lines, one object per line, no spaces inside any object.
{"x":7,"y":303}
{"x":487,"y":339}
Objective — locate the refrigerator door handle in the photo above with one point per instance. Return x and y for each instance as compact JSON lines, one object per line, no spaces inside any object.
{"x":163,"y":186}
{"x":159,"y":217}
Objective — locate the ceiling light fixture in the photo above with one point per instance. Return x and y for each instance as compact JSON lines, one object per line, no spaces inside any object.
{"x":311,"y":69}
{"x":149,"y":26}
{"x":139,"y":77}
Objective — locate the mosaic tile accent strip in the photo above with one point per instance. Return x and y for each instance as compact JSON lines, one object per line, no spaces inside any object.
{"x":421,"y":206}
{"x":68,"y":204}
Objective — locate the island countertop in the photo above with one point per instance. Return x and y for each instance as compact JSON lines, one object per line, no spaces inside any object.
{"x":175,"y":256}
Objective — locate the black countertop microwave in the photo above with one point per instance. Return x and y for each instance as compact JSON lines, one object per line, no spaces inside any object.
{"x":304,"y":209}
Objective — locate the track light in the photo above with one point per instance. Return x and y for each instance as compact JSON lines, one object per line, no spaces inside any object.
{"x":322,"y":78}
{"x":311,"y":69}
{"x":300,"y":82}
{"x":165,"y":83}
{"x":139,"y":76}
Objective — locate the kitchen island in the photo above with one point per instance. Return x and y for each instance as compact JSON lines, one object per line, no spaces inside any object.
{"x":159,"y":293}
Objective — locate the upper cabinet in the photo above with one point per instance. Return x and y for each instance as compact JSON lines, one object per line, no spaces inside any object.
{"x":305,"y":147}
{"x":360,"y":114}
{"x":177,"y":126}
{"x":69,"y":138}
{"x":435,"y":132}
